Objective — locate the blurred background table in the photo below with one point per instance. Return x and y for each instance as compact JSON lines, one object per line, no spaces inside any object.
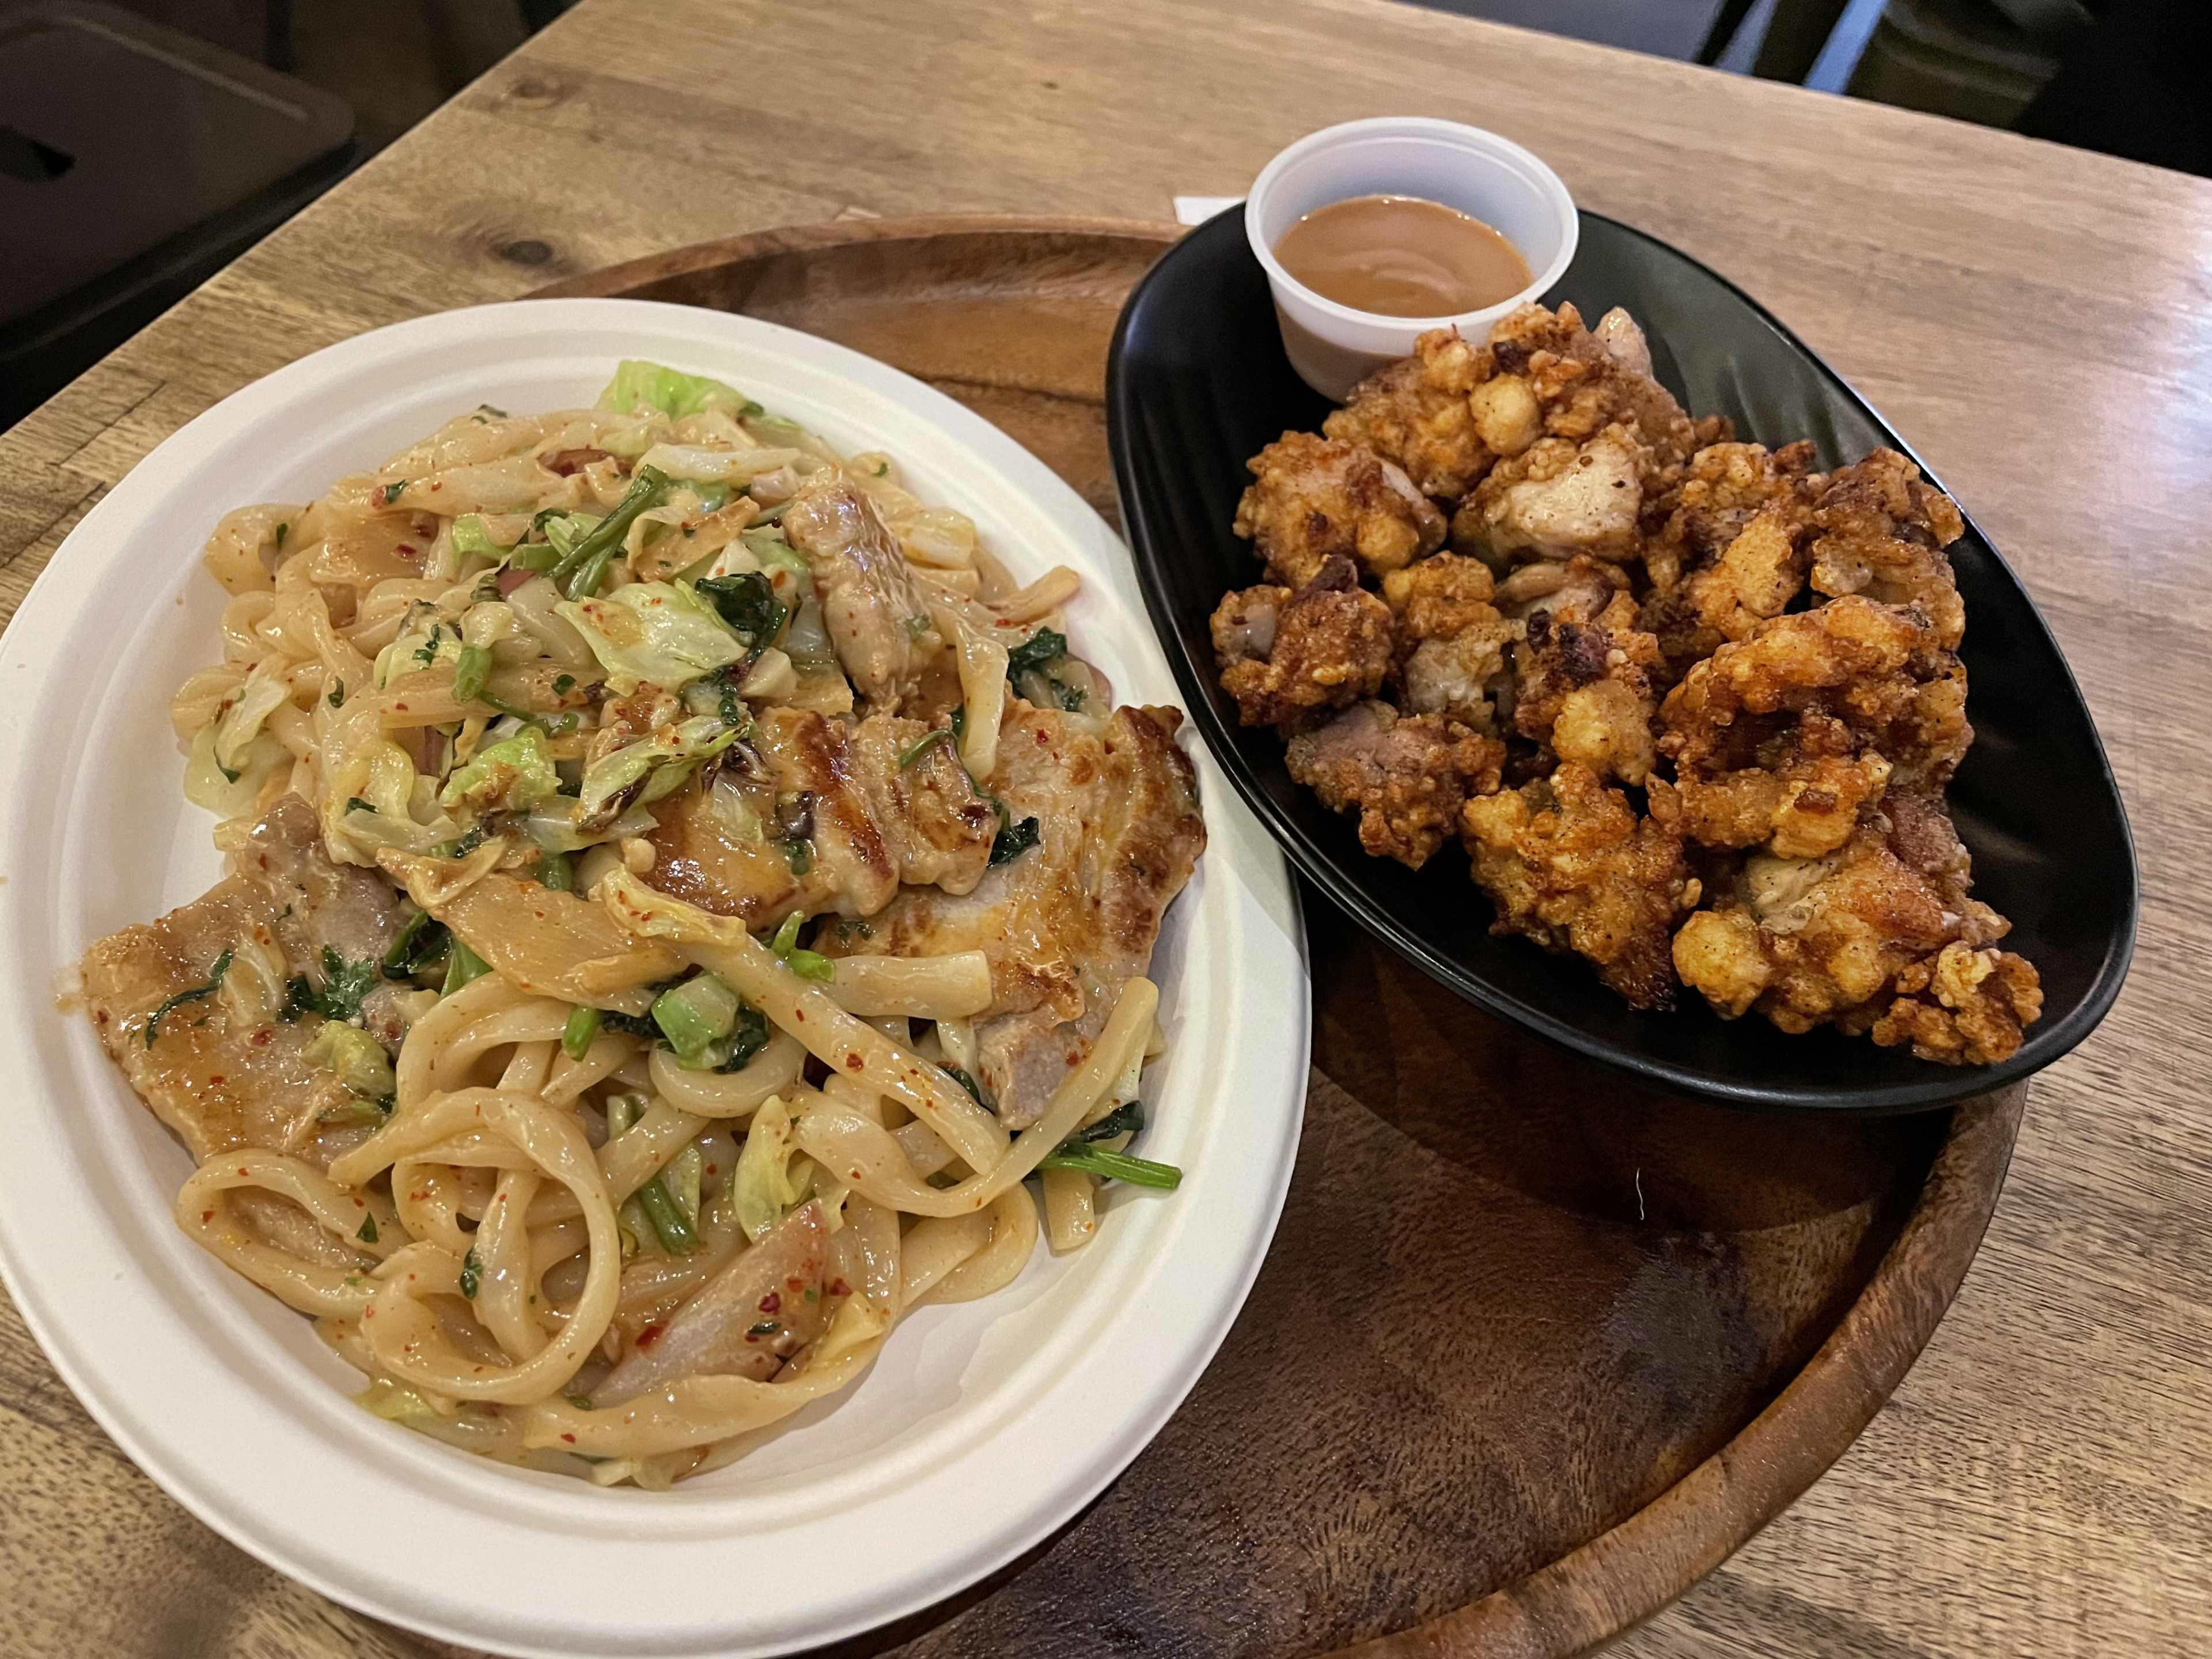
{"x":2037,"y":320}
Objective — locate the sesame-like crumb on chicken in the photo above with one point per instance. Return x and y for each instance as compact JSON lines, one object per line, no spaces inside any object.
{"x":1285,"y":657}
{"x":1417,"y":413}
{"x":1880,"y":532}
{"x":1780,"y":740}
{"x":1314,"y":498}
{"x":1876,"y":937}
{"x":1406,"y":775}
{"x":1571,"y":865}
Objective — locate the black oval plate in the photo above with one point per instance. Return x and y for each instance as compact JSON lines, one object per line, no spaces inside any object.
{"x":1197,"y":381}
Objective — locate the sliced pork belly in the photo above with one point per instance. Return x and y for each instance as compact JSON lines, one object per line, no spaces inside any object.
{"x":869,"y":597}
{"x":224,"y":1071}
{"x":1067,"y":922}
{"x":829,"y":821}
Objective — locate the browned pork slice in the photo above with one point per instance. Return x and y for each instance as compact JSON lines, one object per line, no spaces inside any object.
{"x":869,"y":600}
{"x":223,"y":1069}
{"x":828,"y":820}
{"x":1067,"y":922}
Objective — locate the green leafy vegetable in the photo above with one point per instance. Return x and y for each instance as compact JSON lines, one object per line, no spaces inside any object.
{"x":1014,"y":840}
{"x":421,"y":943}
{"x":563,"y":685}
{"x":747,"y":602}
{"x":557,"y":870}
{"x":367,"y":1233}
{"x":583,"y":567}
{"x":391,"y":491}
{"x":515,"y":774}
{"x":338,"y":694}
{"x":799,"y":853}
{"x":581,"y":1030}
{"x":960,"y":1076}
{"x":472,"y":1274}
{"x":654,"y":766}
{"x":357,"y":1058}
{"x":695,"y":1015}
{"x":747,"y":1037}
{"x":677,"y":1235}
{"x":471,"y":670}
{"x":214,"y":983}
{"x":344,"y":984}
{"x":472,"y":540}
{"x":1046,"y":645}
{"x":462,"y":966}
{"x":914,"y":751}
{"x":1076,"y":1154}
{"x":807,"y":964}
{"x":657,"y":633}
{"x":639,"y":385}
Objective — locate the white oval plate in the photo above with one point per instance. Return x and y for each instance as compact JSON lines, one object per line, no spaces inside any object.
{"x":982,"y":1427}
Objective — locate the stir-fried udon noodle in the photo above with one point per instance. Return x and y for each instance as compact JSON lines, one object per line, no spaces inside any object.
{"x":687,"y":908}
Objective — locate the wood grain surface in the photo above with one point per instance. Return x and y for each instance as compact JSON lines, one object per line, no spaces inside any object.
{"x":2038,"y":322}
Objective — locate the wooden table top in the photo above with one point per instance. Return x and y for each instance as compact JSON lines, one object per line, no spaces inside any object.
{"x":2036,"y":320}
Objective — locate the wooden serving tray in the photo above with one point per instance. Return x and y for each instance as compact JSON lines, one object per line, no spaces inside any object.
{"x":1534,"y":1348}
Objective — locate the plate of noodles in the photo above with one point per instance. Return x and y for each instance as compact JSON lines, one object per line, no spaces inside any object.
{"x":637,"y":1025}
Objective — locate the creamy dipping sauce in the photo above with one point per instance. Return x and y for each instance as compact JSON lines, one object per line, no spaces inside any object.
{"x":1399,"y":256}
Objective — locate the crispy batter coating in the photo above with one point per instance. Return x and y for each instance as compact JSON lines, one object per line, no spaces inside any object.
{"x":1781,"y":738}
{"x":1880,"y":531}
{"x":1284,"y":656}
{"x":1572,"y":866}
{"x":1416,"y":412}
{"x":1451,"y":639}
{"x":1585,"y":691}
{"x":1312,"y":499}
{"x":1406,"y":775}
{"x":1557,"y":499}
{"x":1585,"y":381}
{"x":1732,"y":551}
{"x":1876,"y":937}
{"x":1722,"y":488}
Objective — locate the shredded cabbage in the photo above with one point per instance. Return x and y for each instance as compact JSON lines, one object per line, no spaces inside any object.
{"x":639,"y":385}
{"x":653,"y":633}
{"x":644,"y":771}
{"x":358,"y":1059}
{"x":767,"y":1185}
{"x":227,"y":792}
{"x":264,"y":692}
{"x":515,"y":774}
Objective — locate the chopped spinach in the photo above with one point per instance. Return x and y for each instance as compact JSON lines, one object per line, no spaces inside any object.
{"x":214,"y":982}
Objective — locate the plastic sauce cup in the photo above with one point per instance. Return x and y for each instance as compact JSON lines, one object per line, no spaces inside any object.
{"x":1333,"y":346}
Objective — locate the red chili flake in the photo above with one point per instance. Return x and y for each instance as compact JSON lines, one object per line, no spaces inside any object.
{"x":435,"y":488}
{"x":261,"y":1037}
{"x":771,"y":1303}
{"x":796,"y":1283}
{"x":214,"y":1080}
{"x":401,"y":707}
{"x":206,"y":1216}
{"x":839,"y":1287}
{"x":649,"y":1336}
{"x":369,"y":1313}
{"x":241,"y":1169}
{"x":800,"y":1015}
{"x":853,"y":1062}
{"x":570,"y":1439}
{"x":408,"y":548}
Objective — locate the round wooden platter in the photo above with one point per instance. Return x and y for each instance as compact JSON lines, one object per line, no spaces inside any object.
{"x":1535,"y":1349}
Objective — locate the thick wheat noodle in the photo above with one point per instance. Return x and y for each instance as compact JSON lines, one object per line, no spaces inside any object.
{"x":841,"y":1041}
{"x":405,"y":1336}
{"x":203,"y":1211}
{"x":865,"y":1154}
{"x":495,"y":1182}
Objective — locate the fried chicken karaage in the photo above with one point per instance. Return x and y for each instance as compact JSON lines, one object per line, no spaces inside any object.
{"x":1689,"y":704}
